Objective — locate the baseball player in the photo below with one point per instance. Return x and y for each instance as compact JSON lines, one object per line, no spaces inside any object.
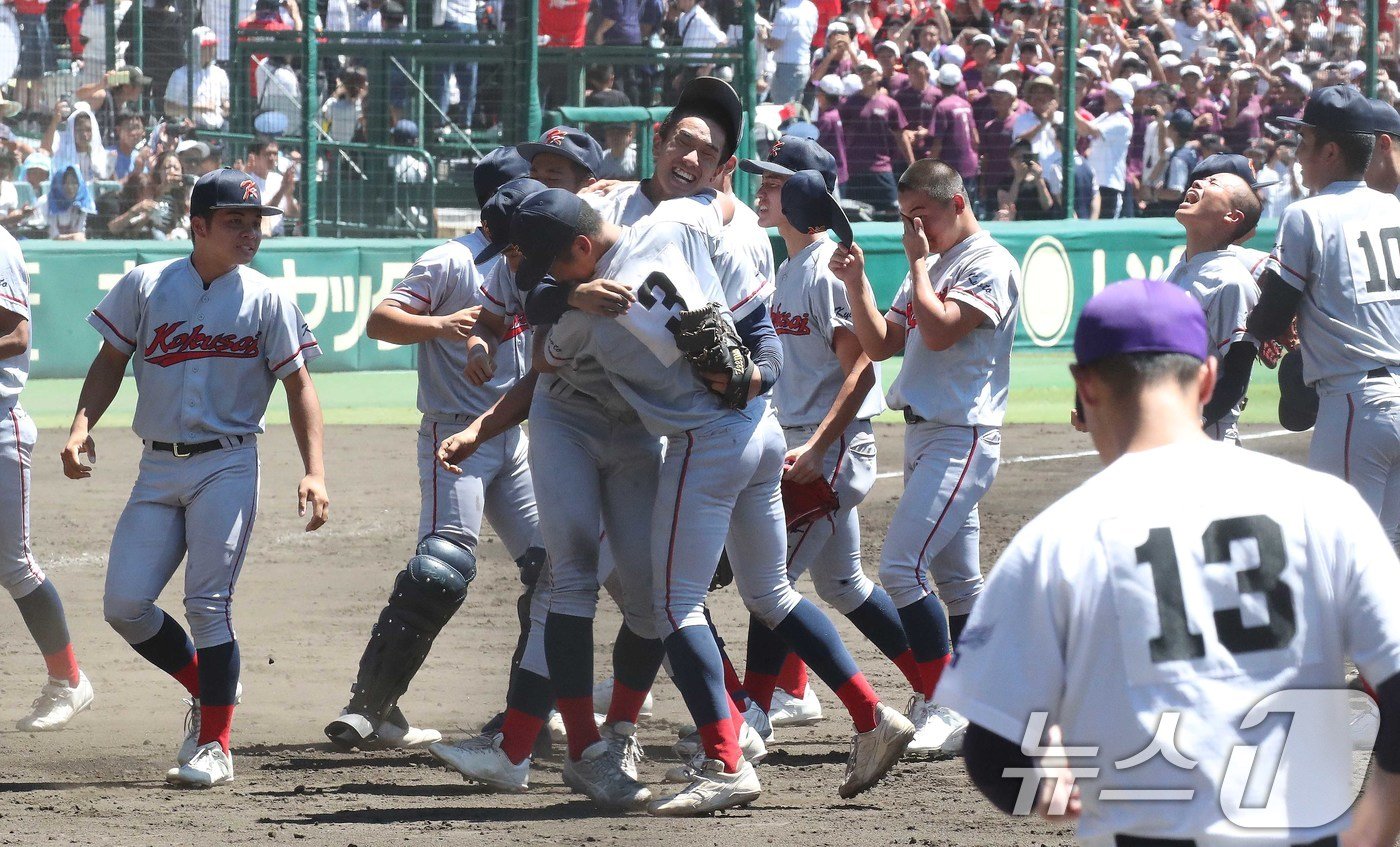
{"x":825,"y":399}
{"x":1215,"y":211}
{"x":1161,"y":625}
{"x":1333,"y":267}
{"x":1240,"y":166}
{"x":954,"y":319}
{"x":211,"y":338}
{"x":67,"y":691}
{"x":1383,"y":173}
{"x":460,"y":375}
{"x":718,"y":480}
{"x":563,"y":157}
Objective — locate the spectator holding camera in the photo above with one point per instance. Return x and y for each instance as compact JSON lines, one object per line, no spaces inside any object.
{"x":118,"y":94}
{"x":154,"y":203}
{"x":1110,"y":134}
{"x":343,"y":113}
{"x":1025,"y":196}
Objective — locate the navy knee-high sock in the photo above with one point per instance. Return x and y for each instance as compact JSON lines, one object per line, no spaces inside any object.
{"x":528,"y":701}
{"x":42,"y":611}
{"x":171,"y":650}
{"x":568,"y":648}
{"x":878,"y":620}
{"x":218,"y":691}
{"x":636,"y":661}
{"x":697,"y":670}
{"x":767,"y":650}
{"x":927,"y":627}
{"x":815,"y":640}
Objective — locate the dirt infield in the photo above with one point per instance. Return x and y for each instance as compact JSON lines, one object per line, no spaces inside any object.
{"x":304,"y":608}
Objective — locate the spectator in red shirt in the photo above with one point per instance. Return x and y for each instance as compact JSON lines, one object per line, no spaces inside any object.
{"x":563,"y":23}
{"x":830,"y":134}
{"x":917,"y":99}
{"x":266,"y":17}
{"x":892,"y":79}
{"x":874,"y":129}
{"x":953,"y":136}
{"x":994,"y":143}
{"x":827,"y":11}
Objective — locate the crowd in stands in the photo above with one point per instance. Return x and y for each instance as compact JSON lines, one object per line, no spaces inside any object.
{"x":88,"y":150}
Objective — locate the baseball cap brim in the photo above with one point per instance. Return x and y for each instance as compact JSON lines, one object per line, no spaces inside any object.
{"x":1286,"y":121}
{"x":529,"y":149}
{"x":491,"y":251}
{"x":713,"y":98}
{"x":265,"y":211}
{"x":755,"y":166}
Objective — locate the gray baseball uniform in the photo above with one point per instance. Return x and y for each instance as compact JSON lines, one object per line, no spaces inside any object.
{"x":20,"y":574}
{"x":206,"y":362}
{"x":1341,"y":248}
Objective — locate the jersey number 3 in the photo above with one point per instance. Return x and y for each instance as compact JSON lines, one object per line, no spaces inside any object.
{"x":1177,"y":641}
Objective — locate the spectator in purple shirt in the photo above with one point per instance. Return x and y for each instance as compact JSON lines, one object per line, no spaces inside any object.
{"x":1244,"y":120}
{"x":953,"y":135}
{"x":916,"y":100}
{"x":995,"y":137}
{"x":830,"y":134}
{"x":893,"y":80}
{"x":981,"y":67}
{"x":874,"y":130}
{"x":1196,"y":100}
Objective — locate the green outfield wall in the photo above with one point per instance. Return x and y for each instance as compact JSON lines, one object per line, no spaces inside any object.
{"x":338,"y":281}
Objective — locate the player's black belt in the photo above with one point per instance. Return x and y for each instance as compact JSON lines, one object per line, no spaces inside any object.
{"x":1138,"y":841}
{"x":911,"y":418}
{"x":184,"y":451}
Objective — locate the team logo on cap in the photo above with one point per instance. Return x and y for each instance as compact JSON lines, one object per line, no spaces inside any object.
{"x":250,"y":190}
{"x":555,"y":136}
{"x":775,"y":149}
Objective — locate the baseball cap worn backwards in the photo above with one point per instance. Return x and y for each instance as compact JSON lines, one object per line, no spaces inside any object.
{"x":496,"y":215}
{"x":789,"y":155}
{"x":809,"y":206}
{"x":573,"y":144}
{"x":713,"y":99}
{"x":1226,"y":163}
{"x":1339,"y":108}
{"x":1140,"y":316}
{"x":543,"y":228}
{"x":227,"y":188}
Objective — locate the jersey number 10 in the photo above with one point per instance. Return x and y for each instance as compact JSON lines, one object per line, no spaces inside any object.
{"x":1386,"y":243}
{"x":1177,"y":641}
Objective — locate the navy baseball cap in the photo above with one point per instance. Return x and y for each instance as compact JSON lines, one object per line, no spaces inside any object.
{"x":1384,"y":119}
{"x":790,"y":154}
{"x":1140,"y":316}
{"x":495,"y":169}
{"x":498,"y":211}
{"x":1182,"y":121}
{"x":227,"y":188}
{"x":1226,"y":163}
{"x":542,"y":228}
{"x":573,"y":144}
{"x":714,"y":99}
{"x":809,"y":206}
{"x":1338,"y":108}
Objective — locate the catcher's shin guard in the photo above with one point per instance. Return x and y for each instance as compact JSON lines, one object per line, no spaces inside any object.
{"x":426,"y":594}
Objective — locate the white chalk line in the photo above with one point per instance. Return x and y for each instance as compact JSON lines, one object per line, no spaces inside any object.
{"x":1084,"y":454}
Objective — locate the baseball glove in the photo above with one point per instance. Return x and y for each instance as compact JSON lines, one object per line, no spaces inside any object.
{"x":711,"y":344}
{"x":806,"y":503}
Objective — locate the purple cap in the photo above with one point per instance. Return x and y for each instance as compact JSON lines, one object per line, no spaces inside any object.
{"x":1140,"y":316}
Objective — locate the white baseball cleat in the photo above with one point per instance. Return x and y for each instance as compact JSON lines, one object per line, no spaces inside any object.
{"x":600,"y":776}
{"x":938,"y":730}
{"x":622,"y":741}
{"x":209,"y":766}
{"x":481,"y":759}
{"x":710,"y":790}
{"x":789,"y":710}
{"x":555,"y":724}
{"x":690,"y":747}
{"x":602,"y":698}
{"x":395,"y":731}
{"x":1365,"y":721}
{"x":57,"y":704}
{"x":191,"y":742}
{"x":756,"y":718}
{"x":873,"y":753}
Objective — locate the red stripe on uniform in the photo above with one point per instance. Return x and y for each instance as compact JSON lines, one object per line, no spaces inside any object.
{"x":919,"y":564}
{"x":675,"y":521}
{"x":762,"y":288}
{"x":977,"y":296}
{"x":415,"y":295}
{"x":487,"y":295}
{"x":13,"y":300}
{"x":113,"y":328}
{"x":1346,"y":445}
{"x":278,"y":366}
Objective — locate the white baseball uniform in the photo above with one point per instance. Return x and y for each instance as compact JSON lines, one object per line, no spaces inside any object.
{"x":206,"y":361}
{"x":1226,"y":290}
{"x":1341,"y":248}
{"x":809,"y":305}
{"x":1255,"y":261}
{"x":20,"y":574}
{"x":954,"y":401}
{"x":1142,"y":597}
{"x":495,"y":481}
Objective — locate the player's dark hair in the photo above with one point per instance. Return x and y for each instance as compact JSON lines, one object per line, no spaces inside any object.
{"x":589,"y":221}
{"x":1130,"y":373}
{"x":1246,"y":202}
{"x":934,"y":178}
{"x":258,"y":147}
{"x":1356,"y":147}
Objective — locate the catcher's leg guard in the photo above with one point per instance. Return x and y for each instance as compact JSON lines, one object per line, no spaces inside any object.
{"x":426,"y":594}
{"x":531,"y":562}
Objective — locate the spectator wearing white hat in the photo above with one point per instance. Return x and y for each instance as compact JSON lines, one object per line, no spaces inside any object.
{"x":827,"y":116}
{"x":1196,"y":100}
{"x":1111,"y":133}
{"x":201,"y":94}
{"x":994,"y":137}
{"x":893,"y":79}
{"x":874,"y":129}
{"x":1245,"y":115}
{"x":840,"y":55}
{"x":953,"y":135}
{"x":981,"y":69}
{"x":794,"y":27}
{"x":917,"y":99}
{"x":1287,"y":96}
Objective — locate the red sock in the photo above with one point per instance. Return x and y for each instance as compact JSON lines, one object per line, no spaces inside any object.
{"x":62,"y":664}
{"x":577,"y":713}
{"x":910,"y":668}
{"x":214,"y":724}
{"x":188,"y":676}
{"x":793,"y":677}
{"x":930,"y":673}
{"x":626,"y":704}
{"x":731,"y":677}
{"x":722,"y":743}
{"x":736,"y":716}
{"x":519,"y":731}
{"x":860,"y":700}
{"x":760,"y":688}
{"x":1371,"y":692}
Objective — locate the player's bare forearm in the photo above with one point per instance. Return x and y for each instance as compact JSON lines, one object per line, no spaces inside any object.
{"x":511,"y":410}
{"x":879,"y":338}
{"x":860,"y":378}
{"x":100,"y":387}
{"x":395,"y":323}
{"x":304,"y":410}
{"x":1375,"y":819}
{"x":14,"y":334}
